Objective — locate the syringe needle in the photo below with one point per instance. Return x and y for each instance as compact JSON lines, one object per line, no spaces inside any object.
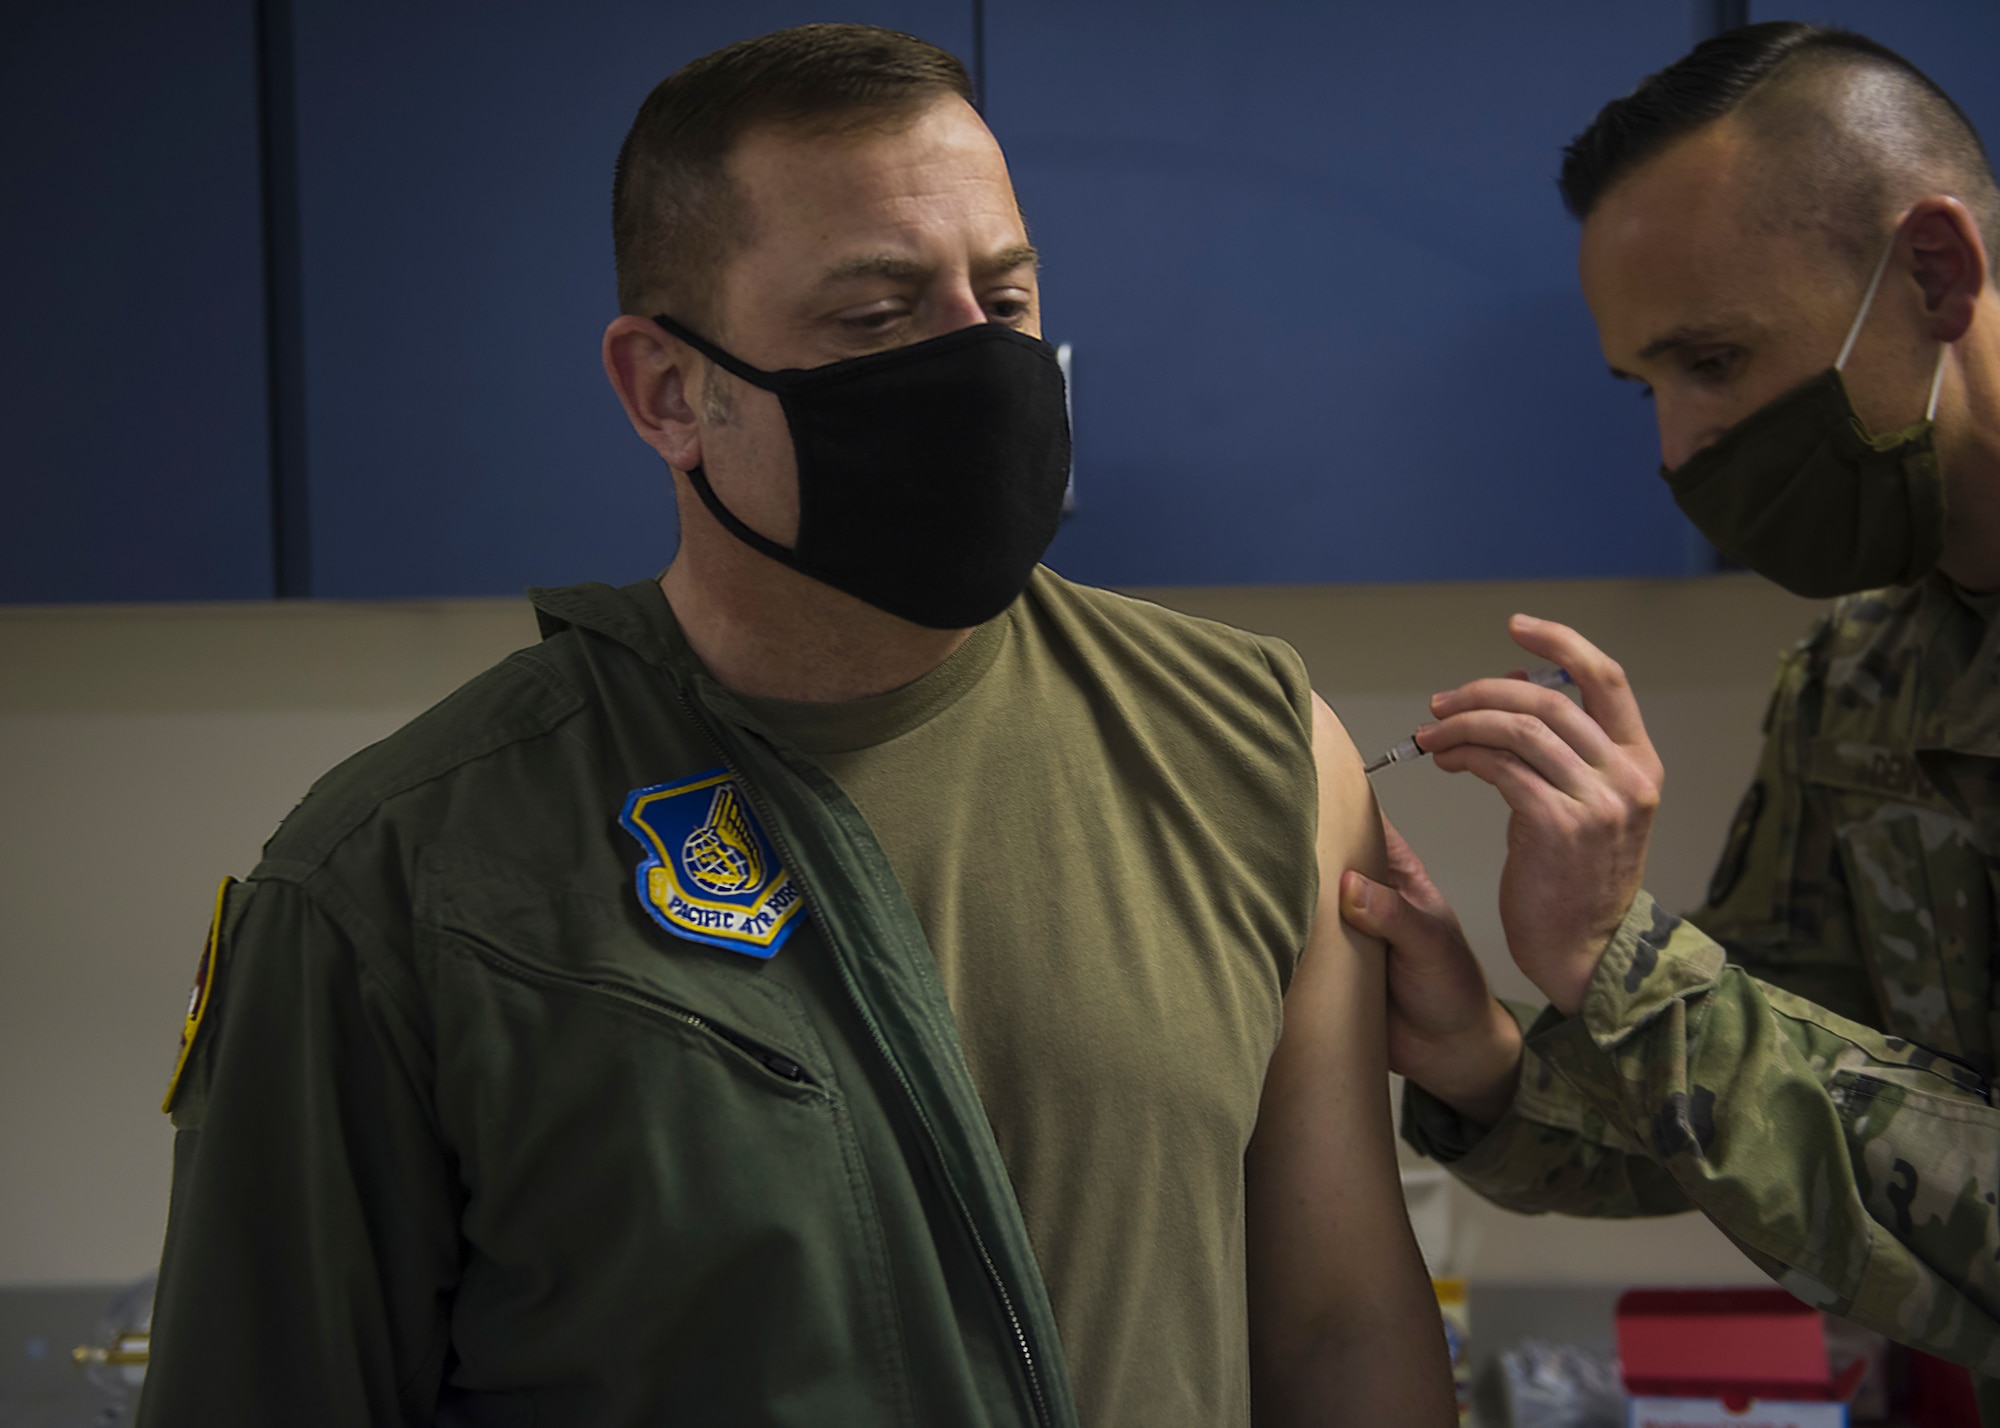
{"x":1546,"y":678}
{"x":1406,"y":750}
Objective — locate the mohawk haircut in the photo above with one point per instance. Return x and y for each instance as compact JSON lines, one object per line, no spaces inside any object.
{"x":1850,"y":132}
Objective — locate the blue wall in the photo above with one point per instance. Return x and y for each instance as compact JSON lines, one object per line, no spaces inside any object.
{"x":132,"y":364}
{"x":1322,"y":290}
{"x":1310,"y":256}
{"x":455,"y":194}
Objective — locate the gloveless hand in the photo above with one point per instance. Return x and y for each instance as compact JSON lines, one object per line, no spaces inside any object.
{"x":1583,"y":785}
{"x":1446,"y":1031}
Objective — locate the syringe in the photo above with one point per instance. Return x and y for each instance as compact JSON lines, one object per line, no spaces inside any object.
{"x":1546,"y":678}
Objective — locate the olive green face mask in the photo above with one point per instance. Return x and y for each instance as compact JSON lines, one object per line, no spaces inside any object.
{"x":1803,"y":495}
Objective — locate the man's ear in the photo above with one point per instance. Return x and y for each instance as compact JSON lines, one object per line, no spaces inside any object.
{"x":1948,"y":259}
{"x":648,"y":370}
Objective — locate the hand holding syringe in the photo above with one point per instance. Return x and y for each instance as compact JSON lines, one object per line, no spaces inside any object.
{"x":1545,"y":678}
{"x":1581,"y":782}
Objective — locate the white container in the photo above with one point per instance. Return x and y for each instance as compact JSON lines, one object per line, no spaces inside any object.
{"x":1714,"y":1413}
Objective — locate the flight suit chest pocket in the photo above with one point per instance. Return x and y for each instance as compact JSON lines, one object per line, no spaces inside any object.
{"x":649,"y":1125}
{"x":569,"y":943}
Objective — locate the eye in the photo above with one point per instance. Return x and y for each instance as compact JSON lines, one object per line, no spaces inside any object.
{"x":878,"y":320}
{"x":1011,"y":306}
{"x":1714,"y":365}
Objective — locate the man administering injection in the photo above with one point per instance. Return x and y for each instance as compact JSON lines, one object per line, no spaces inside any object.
{"x":1786,"y":239}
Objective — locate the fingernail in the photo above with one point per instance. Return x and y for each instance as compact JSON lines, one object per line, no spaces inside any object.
{"x":1354,"y":888}
{"x":1423,"y":729}
{"x":1526,"y":620}
{"x":1441,"y":703}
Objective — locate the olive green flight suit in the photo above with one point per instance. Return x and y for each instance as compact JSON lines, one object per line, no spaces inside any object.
{"x":1808,"y":1058}
{"x":394,"y":1198}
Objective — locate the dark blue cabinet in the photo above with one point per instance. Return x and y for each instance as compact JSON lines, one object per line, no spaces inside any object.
{"x":1310,"y":257}
{"x":454,"y":172}
{"x":132,"y":369}
{"x":1321,"y":288}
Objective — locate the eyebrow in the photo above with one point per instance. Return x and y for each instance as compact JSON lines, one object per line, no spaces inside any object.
{"x":1020,"y":255}
{"x":897,"y":268}
{"x":1722,"y":327}
{"x":1677,"y":338}
{"x":871,"y":265}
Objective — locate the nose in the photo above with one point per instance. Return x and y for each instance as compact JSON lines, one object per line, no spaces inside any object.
{"x":1674,"y":447}
{"x":956,"y":306}
{"x":1682,"y":433}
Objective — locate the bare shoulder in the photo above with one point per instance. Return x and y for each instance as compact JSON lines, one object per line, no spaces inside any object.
{"x":1350,"y":826}
{"x":1332,"y":748}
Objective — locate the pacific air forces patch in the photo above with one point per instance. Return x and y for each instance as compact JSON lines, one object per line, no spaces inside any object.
{"x":709,"y":873}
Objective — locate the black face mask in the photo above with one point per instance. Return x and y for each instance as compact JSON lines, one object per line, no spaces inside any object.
{"x":930,"y":476}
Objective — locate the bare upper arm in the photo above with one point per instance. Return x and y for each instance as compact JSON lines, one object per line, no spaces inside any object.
{"x":1333,"y":1266}
{"x":1327,"y":1080}
{"x":1335,"y":1011}
{"x":1350,"y":824}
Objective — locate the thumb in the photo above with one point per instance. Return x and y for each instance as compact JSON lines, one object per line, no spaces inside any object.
{"x":1369,"y":907}
{"x":1412,"y":879}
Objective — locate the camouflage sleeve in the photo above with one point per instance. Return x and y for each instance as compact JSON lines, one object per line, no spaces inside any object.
{"x":1553,"y":1152}
{"x":1556,"y":1150}
{"x":1859,"y":1170}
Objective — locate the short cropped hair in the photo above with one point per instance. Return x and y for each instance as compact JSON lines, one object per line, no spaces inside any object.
{"x":1851,"y":128}
{"x":674,"y":217}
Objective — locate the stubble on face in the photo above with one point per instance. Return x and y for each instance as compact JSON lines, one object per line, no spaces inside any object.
{"x":718,"y":395}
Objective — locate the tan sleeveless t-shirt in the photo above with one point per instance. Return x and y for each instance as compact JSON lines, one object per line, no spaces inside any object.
{"x":1104,"y":814}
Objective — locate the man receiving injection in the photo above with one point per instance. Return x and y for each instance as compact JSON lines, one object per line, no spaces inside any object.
{"x":1786,"y":238}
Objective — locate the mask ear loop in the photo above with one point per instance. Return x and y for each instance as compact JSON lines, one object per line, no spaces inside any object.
{"x":1867,"y":301}
{"x":1854,"y":331}
{"x":698,"y":478}
{"x":1937,"y":382}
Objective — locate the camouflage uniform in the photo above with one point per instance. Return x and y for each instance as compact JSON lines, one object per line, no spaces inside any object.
{"x":1823,"y":1093}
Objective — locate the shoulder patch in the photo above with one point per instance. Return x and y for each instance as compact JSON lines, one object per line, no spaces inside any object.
{"x":709,"y":872}
{"x":1736,"y":852}
{"x":199,"y":997}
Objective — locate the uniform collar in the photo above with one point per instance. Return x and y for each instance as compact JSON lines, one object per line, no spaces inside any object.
{"x":635,"y":615}
{"x":639,"y":617}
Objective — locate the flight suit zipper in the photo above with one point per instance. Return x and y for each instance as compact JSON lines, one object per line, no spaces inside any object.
{"x":1023,"y":1347}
